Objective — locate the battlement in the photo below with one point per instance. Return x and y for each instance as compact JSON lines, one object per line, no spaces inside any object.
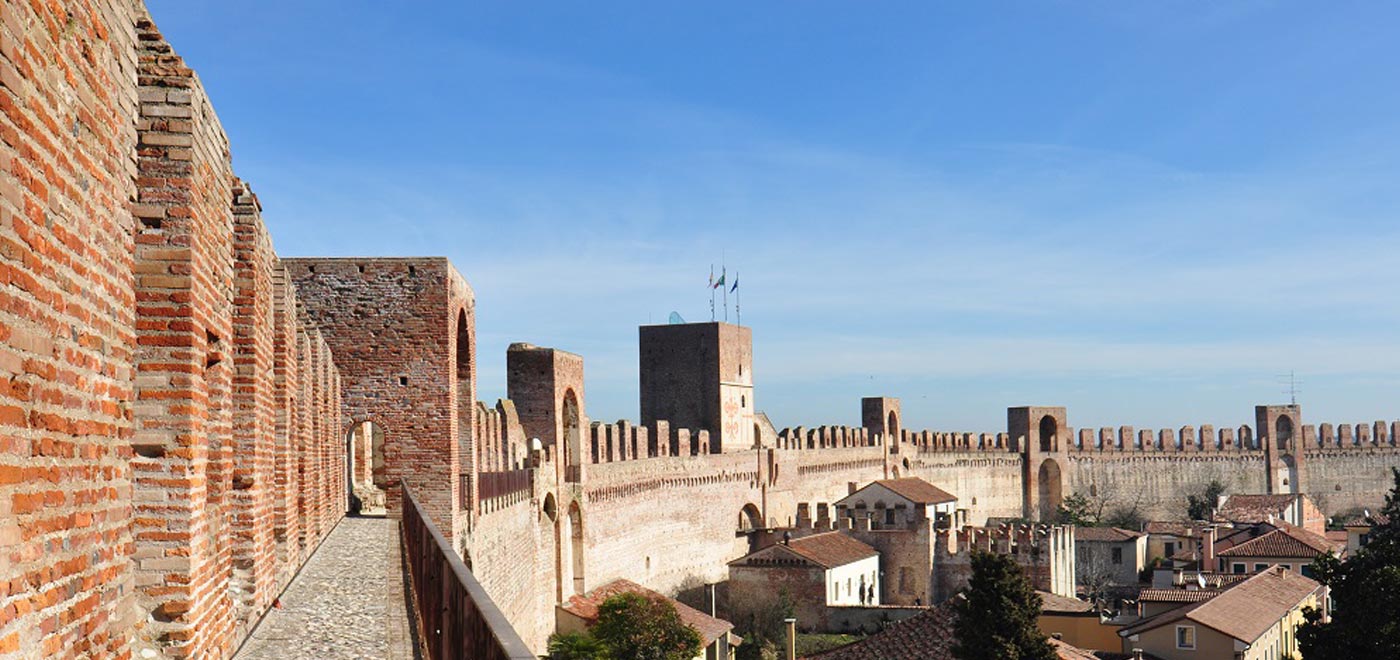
{"x":623,"y":441}
{"x":1004,"y":539}
{"x":1208,"y":438}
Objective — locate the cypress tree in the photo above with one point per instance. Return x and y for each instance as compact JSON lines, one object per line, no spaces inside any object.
{"x":1365,"y":593}
{"x":997,"y":617}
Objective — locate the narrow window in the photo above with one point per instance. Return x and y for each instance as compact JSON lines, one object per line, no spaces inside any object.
{"x":1186,"y":637}
{"x":1117,"y":556}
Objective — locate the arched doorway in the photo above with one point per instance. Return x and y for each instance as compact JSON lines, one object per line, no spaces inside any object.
{"x":1283,"y":433}
{"x":571,"y":552}
{"x":1051,"y":491}
{"x":569,"y":453}
{"x":1049,"y":433}
{"x":750,"y":519}
{"x":364,"y":455}
{"x":1288,"y":475}
{"x":892,"y":428}
{"x":466,"y":398}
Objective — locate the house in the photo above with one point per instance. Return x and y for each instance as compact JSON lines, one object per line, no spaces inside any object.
{"x":895,"y":502}
{"x":928,"y":636}
{"x":1166,"y":538}
{"x":1253,"y":619}
{"x":1295,"y":509}
{"x":818,"y":571}
{"x":1288,"y":546}
{"x":581,"y":611}
{"x":1076,"y":622}
{"x":1109,"y":555}
{"x":901,"y":518}
{"x":1359,"y":528}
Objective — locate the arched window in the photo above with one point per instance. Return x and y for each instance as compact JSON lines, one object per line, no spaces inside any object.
{"x":1049,"y":432}
{"x":1283,"y":432}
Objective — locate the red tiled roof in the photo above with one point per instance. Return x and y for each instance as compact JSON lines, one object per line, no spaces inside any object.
{"x":831,"y":549}
{"x":1245,"y":610}
{"x":1177,"y":595}
{"x":1056,"y":603}
{"x":1290,"y":541}
{"x":917,"y":490}
{"x":586,"y":607}
{"x":927,"y":636}
{"x":1254,"y":508}
{"x":1105,"y":534}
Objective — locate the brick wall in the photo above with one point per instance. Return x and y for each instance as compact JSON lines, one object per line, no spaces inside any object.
{"x":144,"y":312}
{"x":392,"y":326}
{"x":67,"y":136}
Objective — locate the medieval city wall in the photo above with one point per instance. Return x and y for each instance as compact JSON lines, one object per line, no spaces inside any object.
{"x":1348,"y":466}
{"x":66,"y":327}
{"x":167,"y":446}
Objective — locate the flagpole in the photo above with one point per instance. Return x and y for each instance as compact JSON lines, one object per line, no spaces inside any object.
{"x":725,"y":286}
{"x":738,"y":317}
{"x":712,"y":293}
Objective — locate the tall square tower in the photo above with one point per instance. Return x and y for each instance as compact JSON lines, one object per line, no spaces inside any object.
{"x":700,"y":376}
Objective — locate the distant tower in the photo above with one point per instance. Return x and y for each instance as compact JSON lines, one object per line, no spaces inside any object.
{"x":1280,"y":433}
{"x":880,"y":415}
{"x":700,"y":376}
{"x":546,"y":385}
{"x":1042,"y":436}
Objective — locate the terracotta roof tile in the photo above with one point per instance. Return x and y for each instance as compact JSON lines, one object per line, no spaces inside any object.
{"x":586,"y":607}
{"x":927,"y":636}
{"x":1056,"y":603}
{"x":918,"y":491}
{"x":1290,"y":541}
{"x":1243,"y":611}
{"x":1177,"y":595}
{"x":1108,"y":534}
{"x":831,"y":549}
{"x":1254,"y":508}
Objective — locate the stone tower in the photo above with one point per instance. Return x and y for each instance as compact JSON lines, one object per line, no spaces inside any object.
{"x":1042,"y":436}
{"x":700,"y":376}
{"x":1280,"y":433}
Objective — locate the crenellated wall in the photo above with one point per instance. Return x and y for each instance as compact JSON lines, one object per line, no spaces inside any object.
{"x":168,"y":445}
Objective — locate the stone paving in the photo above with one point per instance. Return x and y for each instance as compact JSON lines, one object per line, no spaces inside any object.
{"x":347,"y":603}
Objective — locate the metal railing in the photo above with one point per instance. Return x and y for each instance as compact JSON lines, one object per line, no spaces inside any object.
{"x":500,"y":484}
{"x":456,"y":618}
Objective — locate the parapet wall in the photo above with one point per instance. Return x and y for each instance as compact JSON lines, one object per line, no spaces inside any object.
{"x":169,"y":447}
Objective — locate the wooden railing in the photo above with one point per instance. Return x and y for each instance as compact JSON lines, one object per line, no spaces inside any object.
{"x":456,"y":618}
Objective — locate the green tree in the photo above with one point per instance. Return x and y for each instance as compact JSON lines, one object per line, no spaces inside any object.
{"x":576,"y":646}
{"x":997,"y":618}
{"x":635,"y":627}
{"x":763,"y":625}
{"x":1076,"y":510}
{"x":1200,"y":506}
{"x":1365,"y":591}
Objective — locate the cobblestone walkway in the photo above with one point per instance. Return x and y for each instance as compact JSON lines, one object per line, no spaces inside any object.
{"x":347,"y":603}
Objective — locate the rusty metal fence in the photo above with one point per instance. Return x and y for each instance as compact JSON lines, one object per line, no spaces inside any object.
{"x":456,"y":618}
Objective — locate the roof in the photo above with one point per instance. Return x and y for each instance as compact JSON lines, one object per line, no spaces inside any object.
{"x":1243,"y":611}
{"x":1055,"y":603}
{"x":831,"y":549}
{"x":586,"y":607}
{"x":1169,"y":527}
{"x":1254,"y":508}
{"x":928,"y":635}
{"x":1105,"y":534}
{"x":1289,"y":541}
{"x":827,"y":550}
{"x":918,"y":491}
{"x":1177,"y":595}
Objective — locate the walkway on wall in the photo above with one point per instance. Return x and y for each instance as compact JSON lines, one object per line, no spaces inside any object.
{"x":348,"y":602}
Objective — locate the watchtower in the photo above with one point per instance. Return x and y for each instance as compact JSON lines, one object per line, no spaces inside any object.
{"x":699,"y":376}
{"x":1280,"y":433}
{"x":1042,"y":436}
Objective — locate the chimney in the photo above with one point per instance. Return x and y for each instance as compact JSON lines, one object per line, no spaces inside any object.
{"x":791,"y":638}
{"x":1208,"y":560}
{"x":1137,"y":654}
{"x":851,"y":488}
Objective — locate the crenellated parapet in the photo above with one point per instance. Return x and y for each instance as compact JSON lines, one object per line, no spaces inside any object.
{"x":624,"y":441}
{"x":1044,"y":552}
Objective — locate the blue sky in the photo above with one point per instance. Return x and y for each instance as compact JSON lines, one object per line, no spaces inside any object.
{"x":1143,"y":211}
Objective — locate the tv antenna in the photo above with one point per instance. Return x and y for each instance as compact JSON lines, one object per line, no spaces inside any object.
{"x":1292,"y":382}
